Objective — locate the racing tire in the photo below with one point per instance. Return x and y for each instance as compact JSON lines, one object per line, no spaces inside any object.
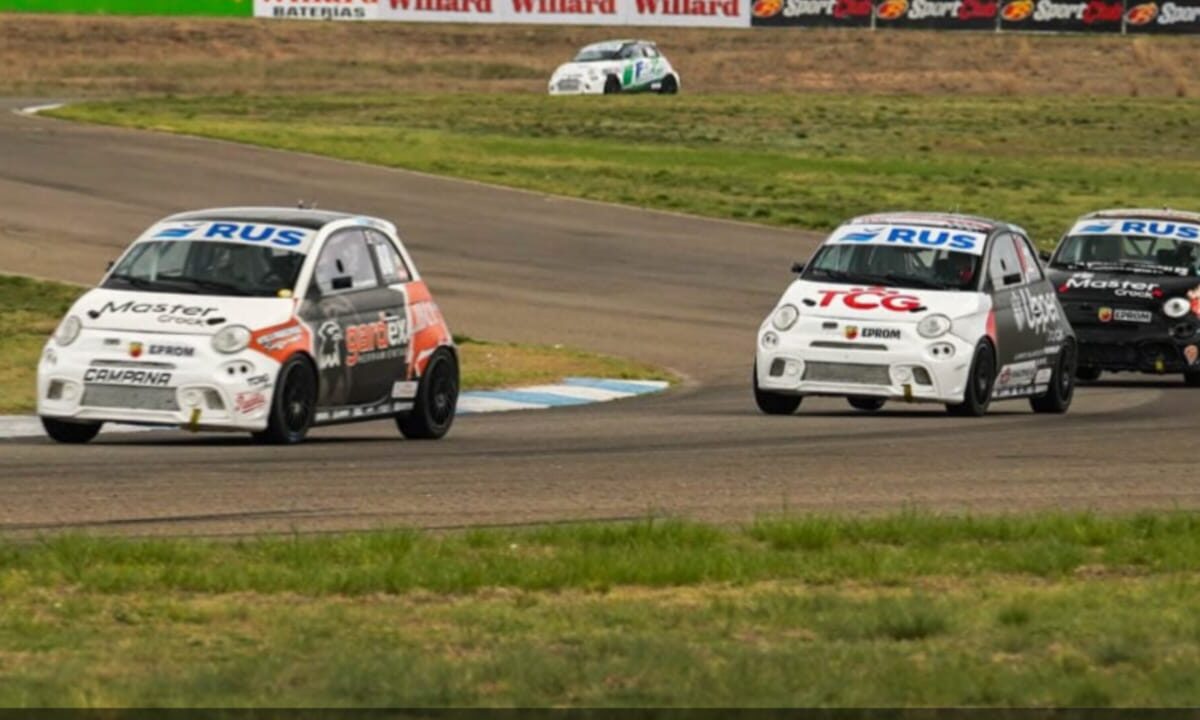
{"x":670,"y":86}
{"x":1087,"y":373}
{"x":1062,"y":385}
{"x":612,"y":85}
{"x":436,"y":402}
{"x":293,"y":405}
{"x":70,"y":433}
{"x":773,"y":403}
{"x":865,"y":403}
{"x":1192,"y":378}
{"x":980,"y":383}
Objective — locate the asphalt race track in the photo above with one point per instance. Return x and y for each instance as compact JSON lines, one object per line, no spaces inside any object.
{"x":683,"y":292}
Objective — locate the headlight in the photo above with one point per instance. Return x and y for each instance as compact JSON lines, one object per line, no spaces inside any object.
{"x":1176,"y":307}
{"x":68,"y":330}
{"x":784,"y":317}
{"x":231,"y":339}
{"x":933,"y":326}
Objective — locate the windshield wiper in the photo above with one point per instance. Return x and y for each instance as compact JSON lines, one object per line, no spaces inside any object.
{"x":918,"y":281}
{"x":207,"y":284}
{"x":133,"y":280}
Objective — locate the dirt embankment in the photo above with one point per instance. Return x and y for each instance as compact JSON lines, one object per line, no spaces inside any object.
{"x":105,"y":56}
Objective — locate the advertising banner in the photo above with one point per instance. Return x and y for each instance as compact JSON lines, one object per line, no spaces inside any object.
{"x":1059,"y":16}
{"x":707,"y":13}
{"x":317,"y":9}
{"x":937,"y":14}
{"x":811,"y":13}
{"x":1163,"y":17}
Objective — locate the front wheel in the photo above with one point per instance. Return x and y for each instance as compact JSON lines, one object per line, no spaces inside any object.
{"x":612,"y":85}
{"x":774,"y":403}
{"x":294,"y":404}
{"x":1062,"y":385}
{"x":72,"y":433}
{"x":866,"y":404}
{"x":436,"y":402}
{"x":982,"y":376}
{"x":670,"y":86}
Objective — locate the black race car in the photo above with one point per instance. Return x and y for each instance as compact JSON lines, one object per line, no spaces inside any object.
{"x":1129,"y":282}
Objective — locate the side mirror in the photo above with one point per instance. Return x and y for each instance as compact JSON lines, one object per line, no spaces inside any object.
{"x":1044,"y":255}
{"x":797,"y":267}
{"x":342,"y":282}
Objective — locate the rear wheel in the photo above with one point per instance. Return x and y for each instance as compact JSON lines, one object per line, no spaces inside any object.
{"x":1087,"y":373}
{"x":612,"y":85}
{"x":294,"y":404}
{"x":774,"y":403}
{"x":866,"y":404}
{"x":669,"y":86}
{"x":1062,"y":384}
{"x":72,"y":433}
{"x":982,"y":376}
{"x":436,"y":402}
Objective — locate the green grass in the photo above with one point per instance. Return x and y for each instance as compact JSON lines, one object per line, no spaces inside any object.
{"x":796,"y":160}
{"x":907,"y":609}
{"x":30,"y":310}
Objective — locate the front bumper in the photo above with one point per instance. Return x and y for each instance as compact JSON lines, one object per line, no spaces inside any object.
{"x":98,"y":379}
{"x":822,"y":363}
{"x":1163,"y":346}
{"x":577,"y":85}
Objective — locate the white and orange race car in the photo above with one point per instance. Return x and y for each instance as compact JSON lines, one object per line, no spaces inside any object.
{"x":266,"y":320}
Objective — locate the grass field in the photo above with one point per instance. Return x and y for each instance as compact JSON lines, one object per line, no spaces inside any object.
{"x":31,"y":309}
{"x":907,"y":609}
{"x":804,"y":161}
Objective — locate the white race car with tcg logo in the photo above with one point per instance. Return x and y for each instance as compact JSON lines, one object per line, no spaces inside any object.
{"x":920,"y":307}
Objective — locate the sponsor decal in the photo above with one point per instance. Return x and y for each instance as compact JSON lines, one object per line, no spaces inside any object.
{"x":901,"y":236}
{"x":379,"y":340}
{"x":1176,"y":14}
{"x":1053,"y":14}
{"x":135,"y":349}
{"x":768,"y":8}
{"x":243,"y":232}
{"x":727,"y":8}
{"x":871,"y":299}
{"x":127,"y":376}
{"x":1017,"y":374}
{"x":277,"y":340}
{"x":566,"y":7}
{"x":871,"y":333}
{"x":181,"y":351}
{"x":851,"y":332}
{"x":1191,"y":353}
{"x":1035,"y":311}
{"x":1119,"y":288}
{"x":387,"y":407}
{"x":1133,"y":316}
{"x":281,"y":341}
{"x":178,"y":314}
{"x":1043,"y":376}
{"x":1193,"y":297}
{"x":250,"y":402}
{"x":1143,"y":228}
{"x":329,"y":345}
{"x":1105,"y":314}
{"x":404,"y":389}
{"x":1017,"y":10}
{"x":1142,"y":14}
{"x":259,"y":381}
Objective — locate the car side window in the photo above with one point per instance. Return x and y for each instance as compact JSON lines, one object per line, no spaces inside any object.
{"x":1004,"y":267}
{"x":391,"y":265}
{"x":1029,"y":259}
{"x":345,"y":264}
{"x":629,"y":51}
{"x":651,"y":52}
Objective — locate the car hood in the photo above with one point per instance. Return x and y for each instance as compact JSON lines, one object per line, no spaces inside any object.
{"x":880,"y":304}
{"x":106,"y":309}
{"x":1125,"y":289}
{"x":573,"y":68}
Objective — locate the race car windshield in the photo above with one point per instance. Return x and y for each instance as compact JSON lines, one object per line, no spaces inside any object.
{"x":1128,"y":254}
{"x":596,"y":54}
{"x":893,"y":266}
{"x":207,"y":268}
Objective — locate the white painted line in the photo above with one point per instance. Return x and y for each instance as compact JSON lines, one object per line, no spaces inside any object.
{"x":35,"y":109}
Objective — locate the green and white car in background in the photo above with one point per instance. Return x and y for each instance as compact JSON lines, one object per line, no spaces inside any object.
{"x":616,"y":66}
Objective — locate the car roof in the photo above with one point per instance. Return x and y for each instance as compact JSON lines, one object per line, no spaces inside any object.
{"x":954,"y":221}
{"x":295,"y":217}
{"x":1145,"y":214}
{"x":617,"y":43}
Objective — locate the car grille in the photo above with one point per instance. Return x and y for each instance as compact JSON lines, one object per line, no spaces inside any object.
{"x":847,"y":373}
{"x":120,"y":396}
{"x":568,"y":84}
